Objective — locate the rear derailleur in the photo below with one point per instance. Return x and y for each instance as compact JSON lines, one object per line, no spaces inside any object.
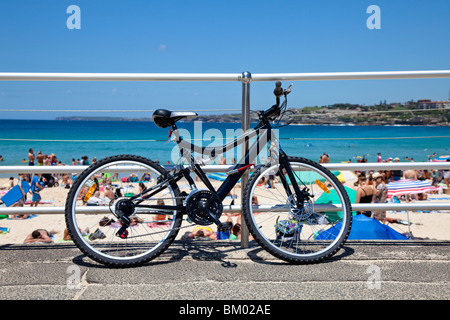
{"x":123,"y":209}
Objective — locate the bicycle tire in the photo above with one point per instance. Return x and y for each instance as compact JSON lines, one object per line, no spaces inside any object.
{"x":98,"y":249}
{"x":265,"y":226}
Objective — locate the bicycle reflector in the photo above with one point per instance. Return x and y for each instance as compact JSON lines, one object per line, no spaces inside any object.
{"x":322,"y":186}
{"x":91,"y":190}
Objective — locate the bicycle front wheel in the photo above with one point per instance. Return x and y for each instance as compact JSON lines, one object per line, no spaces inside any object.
{"x":297,"y":232}
{"x":91,"y":211}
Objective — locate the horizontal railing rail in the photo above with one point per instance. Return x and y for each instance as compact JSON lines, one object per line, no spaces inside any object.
{"x":37,"y":76}
{"x":237,"y":208}
{"x":325,"y":76}
{"x":246,"y":78}
{"x":224,"y":168}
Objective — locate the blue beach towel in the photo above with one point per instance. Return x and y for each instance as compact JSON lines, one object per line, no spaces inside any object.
{"x":4,"y":230}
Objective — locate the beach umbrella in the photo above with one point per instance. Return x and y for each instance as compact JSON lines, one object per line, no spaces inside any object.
{"x":441,"y":158}
{"x":363,"y":228}
{"x":308,"y":177}
{"x":402,"y":187}
{"x":333,"y":198}
{"x":346,"y":175}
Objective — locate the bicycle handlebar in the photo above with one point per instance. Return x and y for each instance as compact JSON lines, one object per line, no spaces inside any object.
{"x":278,"y":90}
{"x":274,"y":111}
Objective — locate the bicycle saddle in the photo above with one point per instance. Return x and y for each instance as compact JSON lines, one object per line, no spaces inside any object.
{"x":166,"y":118}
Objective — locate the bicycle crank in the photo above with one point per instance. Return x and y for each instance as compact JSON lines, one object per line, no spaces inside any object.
{"x":204,"y":207}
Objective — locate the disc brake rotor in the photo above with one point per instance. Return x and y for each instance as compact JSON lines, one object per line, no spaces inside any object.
{"x":297,"y":213}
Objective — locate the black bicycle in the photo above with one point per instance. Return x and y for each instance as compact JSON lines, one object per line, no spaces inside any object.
{"x":125,"y":210}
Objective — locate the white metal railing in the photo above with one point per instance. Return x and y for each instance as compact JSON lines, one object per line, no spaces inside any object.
{"x":37,"y":76}
{"x":225,"y":168}
{"x":352,"y":75}
{"x":245,"y":78}
{"x":237,"y":208}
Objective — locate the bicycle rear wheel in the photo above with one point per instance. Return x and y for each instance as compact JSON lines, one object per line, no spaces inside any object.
{"x":297,"y":234}
{"x":92,"y":219}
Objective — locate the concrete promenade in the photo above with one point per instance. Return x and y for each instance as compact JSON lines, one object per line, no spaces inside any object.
{"x":222,"y":270}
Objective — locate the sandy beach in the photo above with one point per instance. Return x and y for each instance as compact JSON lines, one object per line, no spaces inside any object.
{"x":434,"y":225}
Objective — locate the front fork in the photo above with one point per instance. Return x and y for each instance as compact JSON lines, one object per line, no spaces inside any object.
{"x":285,"y":167}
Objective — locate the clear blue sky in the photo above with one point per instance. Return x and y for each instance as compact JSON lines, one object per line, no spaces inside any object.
{"x":219,"y":37}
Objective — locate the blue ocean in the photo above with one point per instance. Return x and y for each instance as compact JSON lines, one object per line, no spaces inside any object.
{"x":73,"y":139}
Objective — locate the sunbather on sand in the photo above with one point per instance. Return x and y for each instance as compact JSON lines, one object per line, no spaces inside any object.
{"x":40,"y":235}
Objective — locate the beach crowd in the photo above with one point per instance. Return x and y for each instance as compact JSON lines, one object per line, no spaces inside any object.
{"x":370,"y":187}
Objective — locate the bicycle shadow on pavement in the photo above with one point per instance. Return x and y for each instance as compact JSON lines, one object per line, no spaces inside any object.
{"x":255,"y":256}
{"x":169,"y":256}
{"x":210,"y":250}
{"x":228,"y":253}
{"x":199,"y":250}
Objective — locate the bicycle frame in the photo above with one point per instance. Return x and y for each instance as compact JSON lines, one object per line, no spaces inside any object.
{"x":235,"y":173}
{"x":263,"y":132}
{"x":290,"y":227}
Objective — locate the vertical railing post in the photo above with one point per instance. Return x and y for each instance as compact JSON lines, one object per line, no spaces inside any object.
{"x":246,"y":79}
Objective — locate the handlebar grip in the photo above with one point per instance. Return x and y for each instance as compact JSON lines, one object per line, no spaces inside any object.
{"x":278,"y":90}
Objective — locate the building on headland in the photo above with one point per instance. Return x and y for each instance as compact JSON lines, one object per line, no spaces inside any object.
{"x":428,"y":104}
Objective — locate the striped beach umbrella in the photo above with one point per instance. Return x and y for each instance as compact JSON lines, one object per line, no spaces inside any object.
{"x":401,"y":187}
